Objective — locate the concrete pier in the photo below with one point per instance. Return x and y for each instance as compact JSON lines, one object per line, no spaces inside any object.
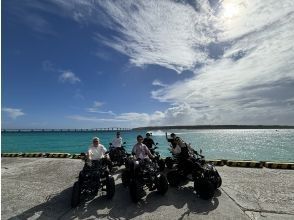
{"x":40,"y":188}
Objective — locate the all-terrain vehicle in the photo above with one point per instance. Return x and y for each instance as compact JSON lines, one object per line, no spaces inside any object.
{"x":94,"y":176}
{"x":204,"y":175}
{"x":141,"y":174}
{"x":160,"y":162}
{"x":117,"y":155}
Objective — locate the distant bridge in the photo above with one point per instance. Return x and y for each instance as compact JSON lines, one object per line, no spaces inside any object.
{"x":66,"y":130}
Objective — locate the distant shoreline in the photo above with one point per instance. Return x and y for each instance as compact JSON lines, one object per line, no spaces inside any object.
{"x":216,"y":127}
{"x":187,"y":127}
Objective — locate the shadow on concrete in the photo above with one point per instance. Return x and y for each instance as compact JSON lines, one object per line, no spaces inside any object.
{"x":121,"y":206}
{"x":55,"y":206}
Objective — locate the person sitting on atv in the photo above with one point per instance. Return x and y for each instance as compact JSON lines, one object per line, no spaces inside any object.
{"x":172,"y":139}
{"x":148,"y":141}
{"x":184,"y":152}
{"x":117,"y":141}
{"x":97,"y":151}
{"x":140,"y":150}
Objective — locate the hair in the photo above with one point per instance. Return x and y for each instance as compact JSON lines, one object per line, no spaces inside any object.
{"x":148,"y":134}
{"x":139,"y":136}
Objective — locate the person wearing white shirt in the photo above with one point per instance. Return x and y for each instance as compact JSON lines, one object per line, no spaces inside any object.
{"x":117,"y":142}
{"x":96,"y":151}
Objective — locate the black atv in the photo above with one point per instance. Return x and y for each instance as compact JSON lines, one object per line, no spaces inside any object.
{"x":117,"y":155}
{"x":141,"y":174}
{"x":170,"y":161}
{"x":204,"y":175}
{"x":94,"y":176}
{"x":157,"y":159}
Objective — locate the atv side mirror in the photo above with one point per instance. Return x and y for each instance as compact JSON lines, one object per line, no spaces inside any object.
{"x":110,"y":144}
{"x":156,"y":143}
{"x":124,"y":142}
{"x":200,"y":151}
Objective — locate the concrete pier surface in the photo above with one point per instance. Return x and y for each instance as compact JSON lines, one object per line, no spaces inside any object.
{"x":39,"y":188}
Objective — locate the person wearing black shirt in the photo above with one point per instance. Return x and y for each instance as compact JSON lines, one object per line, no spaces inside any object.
{"x":148,"y":141}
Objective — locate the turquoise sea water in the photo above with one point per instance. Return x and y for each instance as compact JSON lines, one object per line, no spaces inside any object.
{"x":247,"y":144}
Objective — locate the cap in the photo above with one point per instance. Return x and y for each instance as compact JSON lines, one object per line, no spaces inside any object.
{"x":95,"y":139}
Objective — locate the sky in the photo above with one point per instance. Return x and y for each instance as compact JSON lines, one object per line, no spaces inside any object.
{"x":98,"y":64}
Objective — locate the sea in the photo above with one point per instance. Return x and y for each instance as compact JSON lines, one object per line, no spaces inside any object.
{"x":231,"y":144}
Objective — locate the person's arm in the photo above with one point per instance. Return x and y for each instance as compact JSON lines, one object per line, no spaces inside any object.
{"x":133,"y":150}
{"x":89,"y":154}
{"x":148,"y":152}
{"x":176,"y":150}
{"x":153,"y":142}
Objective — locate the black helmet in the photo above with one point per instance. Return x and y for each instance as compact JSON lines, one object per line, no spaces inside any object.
{"x":172,"y":134}
{"x":148,"y":134}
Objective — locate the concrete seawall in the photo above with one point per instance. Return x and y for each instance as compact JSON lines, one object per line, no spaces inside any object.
{"x":40,"y":188}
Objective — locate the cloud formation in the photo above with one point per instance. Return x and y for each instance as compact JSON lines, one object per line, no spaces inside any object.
{"x":245,"y":49}
{"x":13,"y":112}
{"x":241,"y":53}
{"x":68,"y":76}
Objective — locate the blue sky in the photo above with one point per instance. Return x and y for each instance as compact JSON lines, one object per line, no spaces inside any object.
{"x":88,"y":64}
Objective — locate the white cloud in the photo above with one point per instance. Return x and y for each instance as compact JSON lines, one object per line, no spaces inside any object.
{"x":245,"y":50}
{"x":68,"y":76}
{"x":93,"y":119}
{"x":156,"y":82}
{"x":13,"y":112}
{"x":166,"y":33}
{"x":98,"y":104}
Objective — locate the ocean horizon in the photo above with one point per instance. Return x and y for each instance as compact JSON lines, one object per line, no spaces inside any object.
{"x":232,"y":144}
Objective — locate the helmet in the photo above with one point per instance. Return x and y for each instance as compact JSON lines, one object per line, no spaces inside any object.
{"x":148,"y":134}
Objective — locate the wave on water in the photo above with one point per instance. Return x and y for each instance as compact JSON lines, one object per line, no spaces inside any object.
{"x":157,"y":133}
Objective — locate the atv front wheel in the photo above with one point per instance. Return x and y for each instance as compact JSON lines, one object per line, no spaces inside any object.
{"x":169,"y":162}
{"x":136,"y":191}
{"x":125,"y":178}
{"x":75,"y":196}
{"x":110,"y":187}
{"x":173,"y":178}
{"x":161,"y":165}
{"x":205,"y":189}
{"x":162,"y":184}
